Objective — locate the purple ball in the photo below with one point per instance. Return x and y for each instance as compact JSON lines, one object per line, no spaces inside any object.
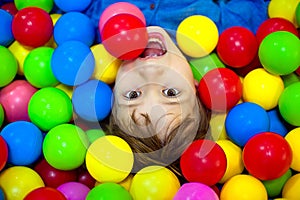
{"x":195,"y":191}
{"x":74,"y":190}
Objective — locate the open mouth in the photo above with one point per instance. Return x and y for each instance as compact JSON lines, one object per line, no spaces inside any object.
{"x":155,"y":47}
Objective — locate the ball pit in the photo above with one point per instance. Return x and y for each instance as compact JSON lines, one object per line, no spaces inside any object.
{"x":45,"y":121}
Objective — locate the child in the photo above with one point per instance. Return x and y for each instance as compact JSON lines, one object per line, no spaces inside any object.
{"x":156,"y":108}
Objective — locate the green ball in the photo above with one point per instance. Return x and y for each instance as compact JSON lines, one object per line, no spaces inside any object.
{"x":289,"y":104}
{"x":94,"y":134}
{"x":49,"y":107}
{"x":108,"y":191}
{"x":290,"y":79}
{"x":297,"y":14}
{"x":8,"y":66}
{"x":65,"y":147}
{"x":200,"y":66}
{"x":46,"y":5}
{"x":279,"y":53}
{"x":37,"y":67}
{"x":274,"y":187}
{"x":1,"y":115}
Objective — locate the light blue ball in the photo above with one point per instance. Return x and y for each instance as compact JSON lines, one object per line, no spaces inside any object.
{"x":74,"y":26}
{"x":24,"y":141}
{"x":72,"y":63}
{"x":6,"y":35}
{"x":244,"y":121}
{"x":92,"y":101}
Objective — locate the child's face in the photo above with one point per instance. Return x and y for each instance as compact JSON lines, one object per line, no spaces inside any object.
{"x":157,"y":88}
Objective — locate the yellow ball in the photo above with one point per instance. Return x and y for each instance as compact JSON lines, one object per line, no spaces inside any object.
{"x":17,"y":181}
{"x":291,"y":188}
{"x":67,"y":89}
{"x":217,"y":126}
{"x":293,"y":138}
{"x":235,"y":163}
{"x":262,"y":88}
{"x":109,"y":159}
{"x":154,"y":183}
{"x":20,"y":52}
{"x":106,"y":65}
{"x":284,"y":9}
{"x":243,"y":187}
{"x":51,"y":42}
{"x":197,"y":36}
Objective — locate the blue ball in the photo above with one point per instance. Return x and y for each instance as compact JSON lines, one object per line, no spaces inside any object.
{"x":92,"y":101}
{"x":72,"y":63}
{"x":24,"y":141}
{"x":74,"y":5}
{"x":6,"y":35}
{"x":74,"y":26}
{"x":2,"y":196}
{"x":277,"y":123}
{"x":244,"y":121}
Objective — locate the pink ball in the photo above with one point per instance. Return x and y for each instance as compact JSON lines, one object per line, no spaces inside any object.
{"x":195,"y":191}
{"x":74,"y":190}
{"x":15,"y":98}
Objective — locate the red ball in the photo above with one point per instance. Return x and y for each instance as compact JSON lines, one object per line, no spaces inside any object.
{"x":85,"y":178}
{"x":267,"y":156}
{"x":4,"y":153}
{"x":220,"y":89}
{"x":53,"y":177}
{"x":32,"y":26}
{"x":45,"y":193}
{"x":274,"y":24}
{"x":124,"y":36}
{"x":203,"y":161}
{"x":237,"y":46}
{"x":10,"y":7}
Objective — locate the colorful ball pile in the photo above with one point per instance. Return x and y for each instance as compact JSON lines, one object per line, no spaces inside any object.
{"x":56,"y":85}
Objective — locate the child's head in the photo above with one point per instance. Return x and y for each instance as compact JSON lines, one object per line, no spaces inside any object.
{"x":156,"y":108}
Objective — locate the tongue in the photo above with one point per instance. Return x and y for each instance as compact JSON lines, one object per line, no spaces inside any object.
{"x":153,"y":49}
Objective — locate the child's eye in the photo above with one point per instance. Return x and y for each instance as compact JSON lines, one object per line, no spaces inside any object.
{"x":170,"y":92}
{"x":133,"y":94}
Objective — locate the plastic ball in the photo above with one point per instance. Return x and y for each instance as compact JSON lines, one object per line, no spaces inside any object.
{"x":124,"y":36}
{"x":4,"y":152}
{"x":154,"y":182}
{"x":262,"y":88}
{"x":275,"y":9}
{"x":65,"y":147}
{"x":279,"y":52}
{"x":197,"y":36}
{"x":235,"y":163}
{"x":274,"y":187}
{"x":290,"y":78}
{"x":120,"y":8}
{"x":84,"y":177}
{"x":106,"y":65}
{"x":49,"y":107}
{"x":46,"y":5}
{"x":72,"y":63}
{"x":67,"y":89}
{"x":243,"y":187}
{"x":92,"y":100}
{"x":291,"y":188}
{"x":195,"y":191}
{"x":246,"y":120}
{"x":237,"y":46}
{"x":289,"y":104}
{"x":267,"y":156}
{"x":20,"y":52}
{"x":200,"y":66}
{"x":109,"y":159}
{"x":2,"y":116}
{"x":94,"y":134}
{"x":15,"y":98}
{"x":53,"y":177}
{"x":17,"y":181}
{"x":6,"y":37}
{"x":9,"y":66}
{"x":277,"y":124}
{"x":68,"y":6}
{"x":217,"y":126}
{"x":37,"y":67}
{"x":297,"y":15}
{"x":45,"y":193}
{"x":74,"y":190}
{"x":203,"y":161}
{"x":74,"y":26}
{"x":108,"y":191}
{"x":293,"y":138}
{"x":10,"y":7}
{"x":220,"y":89}
{"x":32,"y":26}
{"x":274,"y":24}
